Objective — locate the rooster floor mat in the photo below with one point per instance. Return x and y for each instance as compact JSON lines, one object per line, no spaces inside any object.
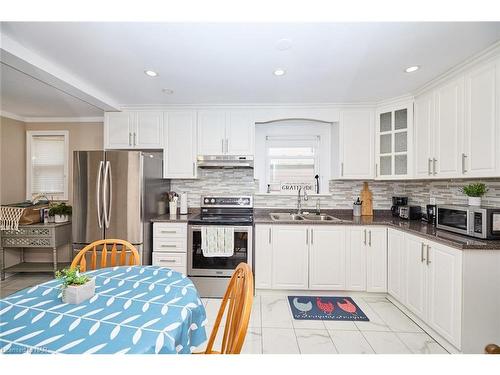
{"x":326,"y":308}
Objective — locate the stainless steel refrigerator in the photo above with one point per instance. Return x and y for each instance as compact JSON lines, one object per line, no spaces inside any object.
{"x":115,"y":195}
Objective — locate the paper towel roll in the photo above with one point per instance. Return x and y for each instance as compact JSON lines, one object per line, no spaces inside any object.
{"x":184,"y":204}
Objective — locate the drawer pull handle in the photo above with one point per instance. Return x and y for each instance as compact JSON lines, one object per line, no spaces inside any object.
{"x":169,"y":231}
{"x":168,"y":261}
{"x":168,"y":245}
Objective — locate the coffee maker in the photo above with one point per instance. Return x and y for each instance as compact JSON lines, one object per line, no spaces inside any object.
{"x":430,"y":214}
{"x":396,"y":203}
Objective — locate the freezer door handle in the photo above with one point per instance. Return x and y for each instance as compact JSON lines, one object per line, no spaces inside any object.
{"x":98,"y":194}
{"x":107,"y":191}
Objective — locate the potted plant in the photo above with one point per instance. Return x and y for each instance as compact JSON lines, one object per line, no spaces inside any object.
{"x":76,"y":287}
{"x":475,"y":191}
{"x":60,"y":211}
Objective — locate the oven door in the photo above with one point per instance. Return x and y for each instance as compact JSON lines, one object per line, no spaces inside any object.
{"x":199,"y":265}
{"x":453,"y":219}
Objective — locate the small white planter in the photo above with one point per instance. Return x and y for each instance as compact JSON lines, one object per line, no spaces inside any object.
{"x":76,"y":294}
{"x":474,"y":201}
{"x":61,"y":218}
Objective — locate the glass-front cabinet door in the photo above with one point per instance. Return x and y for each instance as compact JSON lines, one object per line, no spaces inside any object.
{"x":393,"y":141}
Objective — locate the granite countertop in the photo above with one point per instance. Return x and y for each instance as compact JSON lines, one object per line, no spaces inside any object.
{"x":384,"y":217}
{"x":167,"y":218}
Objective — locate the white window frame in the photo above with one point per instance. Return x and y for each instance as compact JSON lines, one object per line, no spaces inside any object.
{"x":29,"y":140}
{"x":307,"y":140}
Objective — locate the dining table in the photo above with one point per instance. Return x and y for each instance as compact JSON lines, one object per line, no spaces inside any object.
{"x":135,"y":309}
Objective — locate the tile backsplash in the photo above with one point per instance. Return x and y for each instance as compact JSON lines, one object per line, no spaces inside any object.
{"x":342,"y":193}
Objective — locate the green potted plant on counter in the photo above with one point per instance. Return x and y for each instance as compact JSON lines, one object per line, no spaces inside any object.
{"x":475,"y":191}
{"x":76,"y":287}
{"x":60,"y":211}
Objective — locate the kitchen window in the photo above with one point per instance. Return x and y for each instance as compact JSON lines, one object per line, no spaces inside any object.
{"x":47,"y":164}
{"x":291,"y":160}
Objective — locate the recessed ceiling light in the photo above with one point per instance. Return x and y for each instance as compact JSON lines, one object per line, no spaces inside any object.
{"x":150,"y":73}
{"x":279,"y":72}
{"x":412,"y":69}
{"x":167,"y":91}
{"x":283,"y":44}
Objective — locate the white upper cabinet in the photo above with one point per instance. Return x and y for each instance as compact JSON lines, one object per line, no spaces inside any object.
{"x":118,"y":129}
{"x":482,"y":122}
{"x":211,"y":132}
{"x":327,"y":258}
{"x":393,"y":141}
{"x":131,"y":130}
{"x":457,"y":126}
{"x":448,"y":130}
{"x":240,"y":133}
{"x":180,"y":144}
{"x":424,"y":125}
{"x":148,"y":131}
{"x":356,"y":144}
{"x":225,"y":132}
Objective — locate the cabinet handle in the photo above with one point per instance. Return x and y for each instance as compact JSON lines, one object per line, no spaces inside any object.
{"x":130,"y":139}
{"x":365,"y":238}
{"x":428,"y":257}
{"x":222,"y":144}
{"x":422,"y":259}
{"x":168,"y":231}
{"x":307,"y":237}
{"x":194,"y":168}
{"x":168,"y":246}
{"x":312,"y":238}
{"x":370,"y":238}
{"x":463,"y":163}
{"x":270,"y":236}
{"x":342,"y":169}
{"x":429,"y":162}
{"x":167,"y":261}
{"x":376,"y":170}
{"x":227,"y":145}
{"x":434,"y":166}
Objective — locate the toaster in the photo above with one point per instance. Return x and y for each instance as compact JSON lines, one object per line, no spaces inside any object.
{"x":410,"y":212}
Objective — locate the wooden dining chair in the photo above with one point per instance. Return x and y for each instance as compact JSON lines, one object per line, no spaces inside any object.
{"x":238,"y":299}
{"x":492,"y":349}
{"x":126,"y":253}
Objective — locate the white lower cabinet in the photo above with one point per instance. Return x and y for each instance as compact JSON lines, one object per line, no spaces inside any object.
{"x":263,"y":256}
{"x":327,"y":253}
{"x":426,"y":277}
{"x":355,"y":258}
{"x":170,"y":246}
{"x":396,"y":261}
{"x":290,"y":256}
{"x":376,"y":260}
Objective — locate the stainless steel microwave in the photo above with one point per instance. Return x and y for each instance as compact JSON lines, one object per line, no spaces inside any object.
{"x":481,"y":222}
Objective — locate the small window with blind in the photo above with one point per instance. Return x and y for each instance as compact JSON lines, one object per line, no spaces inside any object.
{"x":291,"y":160}
{"x":47,"y":164}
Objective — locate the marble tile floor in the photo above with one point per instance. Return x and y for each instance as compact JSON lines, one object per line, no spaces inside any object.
{"x":272,"y":329}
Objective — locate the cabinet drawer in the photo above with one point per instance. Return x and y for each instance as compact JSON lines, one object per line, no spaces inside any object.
{"x":170,"y":230}
{"x":176,"y":260}
{"x":176,"y":244}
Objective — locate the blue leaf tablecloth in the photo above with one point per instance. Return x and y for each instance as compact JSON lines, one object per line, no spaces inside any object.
{"x":136,"y":309}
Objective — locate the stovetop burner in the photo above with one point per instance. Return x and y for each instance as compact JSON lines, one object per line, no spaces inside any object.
{"x":225,"y":211}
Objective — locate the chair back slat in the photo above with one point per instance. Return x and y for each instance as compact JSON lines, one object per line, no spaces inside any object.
{"x":104,"y":256}
{"x":127,"y":248}
{"x":113,"y":255}
{"x":93,"y":259}
{"x":237,"y":303}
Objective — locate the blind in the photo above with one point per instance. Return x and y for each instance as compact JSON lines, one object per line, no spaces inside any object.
{"x":48,"y":164}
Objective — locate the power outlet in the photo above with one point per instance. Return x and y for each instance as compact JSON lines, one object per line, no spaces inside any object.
{"x":432,"y":201}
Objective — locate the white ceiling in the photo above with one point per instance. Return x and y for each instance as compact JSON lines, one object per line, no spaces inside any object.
{"x":26,"y":96}
{"x":234,"y":63}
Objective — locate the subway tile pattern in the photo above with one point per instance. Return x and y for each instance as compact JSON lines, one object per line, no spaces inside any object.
{"x":343,"y":193}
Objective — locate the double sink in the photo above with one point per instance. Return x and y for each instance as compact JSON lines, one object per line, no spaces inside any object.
{"x":286,"y":216}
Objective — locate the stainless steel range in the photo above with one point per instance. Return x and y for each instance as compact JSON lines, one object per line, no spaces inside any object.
{"x":211,"y":274}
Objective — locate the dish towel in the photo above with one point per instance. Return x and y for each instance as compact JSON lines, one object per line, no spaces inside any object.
{"x":217,"y":242}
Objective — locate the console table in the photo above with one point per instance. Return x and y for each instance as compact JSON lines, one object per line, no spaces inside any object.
{"x":51,"y":235}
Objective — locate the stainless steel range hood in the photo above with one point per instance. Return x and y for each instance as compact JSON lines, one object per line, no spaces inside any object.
{"x":225,"y":161}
